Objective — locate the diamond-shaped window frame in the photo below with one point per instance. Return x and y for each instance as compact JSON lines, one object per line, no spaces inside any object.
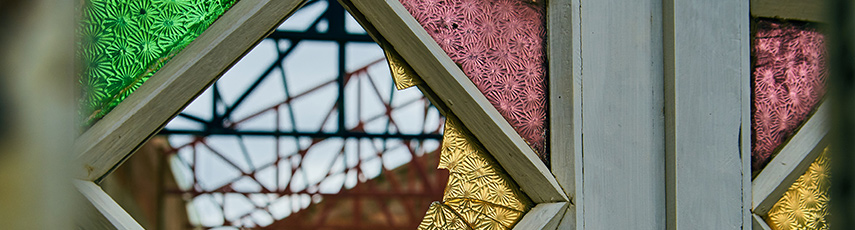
{"x":793,"y":158}
{"x":112,"y":140}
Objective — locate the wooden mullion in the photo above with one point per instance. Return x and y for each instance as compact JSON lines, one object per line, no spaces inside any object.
{"x":114,"y":138}
{"x":461,"y":97}
{"x":565,"y":105}
{"x":106,"y":206}
{"x":758,"y":223}
{"x":544,"y":216}
{"x":622,"y":114}
{"x":564,"y":99}
{"x":704,"y":160}
{"x":791,"y":161}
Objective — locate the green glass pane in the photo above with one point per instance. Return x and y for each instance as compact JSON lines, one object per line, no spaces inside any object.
{"x":124,"y":42}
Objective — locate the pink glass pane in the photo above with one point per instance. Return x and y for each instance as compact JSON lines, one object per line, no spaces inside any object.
{"x":788,"y":81}
{"x":499,"y":44}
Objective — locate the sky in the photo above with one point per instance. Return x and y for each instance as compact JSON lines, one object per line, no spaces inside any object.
{"x":324,"y":170}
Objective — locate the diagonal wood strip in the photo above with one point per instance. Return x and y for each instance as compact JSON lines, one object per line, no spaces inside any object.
{"x":113,"y":139}
{"x":391,"y":20}
{"x":791,"y":162}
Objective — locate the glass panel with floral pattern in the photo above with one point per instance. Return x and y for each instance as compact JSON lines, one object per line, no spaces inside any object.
{"x":500,"y":45}
{"x":124,"y":42}
{"x":805,"y":204}
{"x":479,"y":194}
{"x":788,"y":82}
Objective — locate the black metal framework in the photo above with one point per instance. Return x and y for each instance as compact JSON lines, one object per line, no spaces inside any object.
{"x":222,"y":121}
{"x":414,"y":190}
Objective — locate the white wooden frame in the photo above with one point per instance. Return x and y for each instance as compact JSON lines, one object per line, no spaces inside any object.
{"x":448,"y":87}
{"x":109,"y":209}
{"x":618,"y":48}
{"x":707,"y":73}
{"x":791,"y":161}
{"x":659,"y":89}
{"x":108,"y":143}
{"x":794,"y":156}
{"x":565,"y":103}
{"x":591,"y":44}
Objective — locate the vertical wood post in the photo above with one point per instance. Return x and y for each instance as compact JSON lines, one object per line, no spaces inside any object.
{"x":565,"y":103}
{"x":707,"y":59}
{"x":622,"y":114}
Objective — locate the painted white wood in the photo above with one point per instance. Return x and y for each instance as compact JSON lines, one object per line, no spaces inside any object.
{"x":565,"y":103}
{"x":745,"y":140}
{"x":458,"y":94}
{"x":791,"y":161}
{"x":106,"y":205}
{"x":88,"y":217}
{"x":543,"y":216}
{"x":114,"y":138}
{"x":562,"y":142}
{"x":559,"y":217}
{"x":704,"y":43}
{"x":569,"y":220}
{"x":758,"y":223}
{"x":802,"y":10}
{"x":621,"y":75}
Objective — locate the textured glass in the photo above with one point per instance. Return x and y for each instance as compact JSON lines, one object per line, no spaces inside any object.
{"x":805,"y":204}
{"x":124,"y":42}
{"x":500,"y":45}
{"x":402,"y":74}
{"x":479,"y":194}
{"x":789,"y":81}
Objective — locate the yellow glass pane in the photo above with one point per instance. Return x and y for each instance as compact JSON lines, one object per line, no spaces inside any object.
{"x":403,"y":76}
{"x":805,"y":204}
{"x":479,"y":194}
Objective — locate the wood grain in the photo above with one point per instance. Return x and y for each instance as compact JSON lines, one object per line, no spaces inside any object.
{"x":106,"y":205}
{"x":758,"y":223}
{"x":565,"y":104}
{"x":622,"y":114}
{"x":705,"y":76}
{"x":746,"y":140}
{"x":791,"y":161}
{"x":543,"y":216}
{"x":460,"y":96}
{"x":113,"y":139}
{"x":564,"y":141}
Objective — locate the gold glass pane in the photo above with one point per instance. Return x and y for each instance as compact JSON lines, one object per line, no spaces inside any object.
{"x":479,"y":194}
{"x":805,"y":204}
{"x":403,"y":76}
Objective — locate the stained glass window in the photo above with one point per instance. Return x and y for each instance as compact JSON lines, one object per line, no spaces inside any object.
{"x":805,"y":204}
{"x":307,"y":131}
{"x":479,"y":194}
{"x":124,"y":42}
{"x":500,"y":45}
{"x":788,"y":82}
